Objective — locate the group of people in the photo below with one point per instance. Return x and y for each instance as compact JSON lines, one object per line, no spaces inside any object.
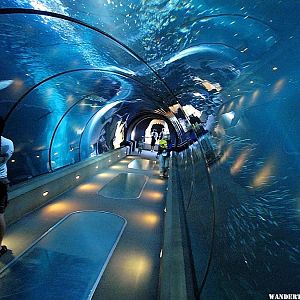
{"x":156,"y":136}
{"x":163,"y":152}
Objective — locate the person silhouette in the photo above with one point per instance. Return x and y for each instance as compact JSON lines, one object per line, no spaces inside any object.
{"x":153,"y":141}
{"x":6,"y":151}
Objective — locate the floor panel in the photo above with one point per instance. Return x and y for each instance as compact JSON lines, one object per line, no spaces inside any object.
{"x":142,"y":164}
{"x":133,"y":269}
{"x":64,"y":263}
{"x":124,"y":186}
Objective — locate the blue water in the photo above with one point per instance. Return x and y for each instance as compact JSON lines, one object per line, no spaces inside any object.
{"x":72,"y":71}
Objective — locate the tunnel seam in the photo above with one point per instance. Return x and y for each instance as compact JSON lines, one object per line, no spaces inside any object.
{"x":79,"y":22}
{"x":213,"y":230}
{"x":66,"y":72}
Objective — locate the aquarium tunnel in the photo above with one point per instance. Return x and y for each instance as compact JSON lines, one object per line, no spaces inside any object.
{"x":83,"y":82}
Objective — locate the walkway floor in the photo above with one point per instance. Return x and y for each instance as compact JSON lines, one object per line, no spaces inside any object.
{"x":133,"y":270}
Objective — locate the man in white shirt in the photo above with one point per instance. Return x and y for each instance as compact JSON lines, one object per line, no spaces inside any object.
{"x":6,"y":151}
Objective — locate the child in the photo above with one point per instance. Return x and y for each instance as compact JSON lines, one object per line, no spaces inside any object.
{"x":140,"y":146}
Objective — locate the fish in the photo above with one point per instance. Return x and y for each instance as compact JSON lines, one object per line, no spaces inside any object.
{"x":5,"y":83}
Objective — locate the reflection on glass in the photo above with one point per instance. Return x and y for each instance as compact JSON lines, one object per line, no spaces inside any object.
{"x":264,"y":176}
{"x":240,"y":162}
{"x":279,"y":85}
{"x":254,"y":97}
{"x":227,"y":153}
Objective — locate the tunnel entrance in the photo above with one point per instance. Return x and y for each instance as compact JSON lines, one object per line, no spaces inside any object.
{"x":145,"y":128}
{"x":157,"y":128}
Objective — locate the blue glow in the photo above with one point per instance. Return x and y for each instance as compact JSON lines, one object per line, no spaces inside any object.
{"x":68,"y":80}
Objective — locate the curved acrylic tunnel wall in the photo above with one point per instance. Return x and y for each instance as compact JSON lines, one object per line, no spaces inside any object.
{"x":256,"y":190}
{"x":243,"y":215}
{"x":69,"y":78}
{"x":254,"y":210}
{"x":56,"y":75}
{"x":56,"y":113}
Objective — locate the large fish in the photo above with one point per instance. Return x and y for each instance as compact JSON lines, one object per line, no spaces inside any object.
{"x":5,"y":83}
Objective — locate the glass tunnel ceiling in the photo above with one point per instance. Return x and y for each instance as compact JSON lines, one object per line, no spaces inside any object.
{"x":187,"y":43}
{"x":63,"y":61}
